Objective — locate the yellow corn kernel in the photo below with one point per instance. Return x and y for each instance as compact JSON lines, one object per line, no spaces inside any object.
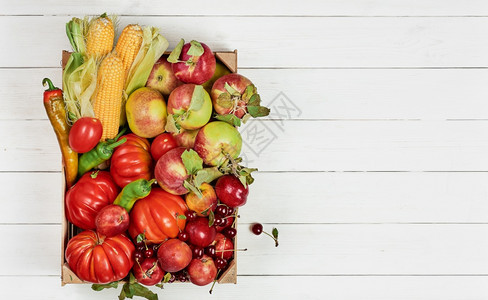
{"x":108,"y":99}
{"x":100,"y":36}
{"x":128,"y":45}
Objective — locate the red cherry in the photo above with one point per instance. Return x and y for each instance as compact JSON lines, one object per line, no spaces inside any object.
{"x":257,"y":228}
{"x":230,"y":232}
{"x":220,"y":263}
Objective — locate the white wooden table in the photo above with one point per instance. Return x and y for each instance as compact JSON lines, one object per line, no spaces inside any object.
{"x":376,"y":176}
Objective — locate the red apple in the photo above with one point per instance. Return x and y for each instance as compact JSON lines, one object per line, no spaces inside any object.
{"x":216,"y":140}
{"x":237,"y":95}
{"x":179,"y":105}
{"x":202,"y":206}
{"x":170,"y":172}
{"x":223,"y":246}
{"x":112,"y":220}
{"x":162,"y":144}
{"x":202,"y":271}
{"x":148,"y":272}
{"x":146,"y":112}
{"x":239,"y":84}
{"x":162,"y":77}
{"x":199,"y":233}
{"x":186,"y":138}
{"x":174,"y":255}
{"x":231,"y":191}
{"x":192,"y":68}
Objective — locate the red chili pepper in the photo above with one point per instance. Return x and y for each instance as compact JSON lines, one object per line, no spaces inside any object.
{"x":52,"y":92}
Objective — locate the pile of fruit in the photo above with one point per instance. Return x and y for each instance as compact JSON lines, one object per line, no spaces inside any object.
{"x":150,"y":150}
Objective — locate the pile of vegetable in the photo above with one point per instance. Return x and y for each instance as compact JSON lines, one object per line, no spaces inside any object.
{"x":150,"y":148}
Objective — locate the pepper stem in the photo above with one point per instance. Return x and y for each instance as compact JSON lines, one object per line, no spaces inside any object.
{"x":50,"y":83}
{"x":116,"y":144}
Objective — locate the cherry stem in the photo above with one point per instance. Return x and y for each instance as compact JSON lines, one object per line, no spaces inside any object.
{"x":235,"y":218}
{"x":232,"y":250}
{"x":215,"y":280}
{"x":276,"y":240}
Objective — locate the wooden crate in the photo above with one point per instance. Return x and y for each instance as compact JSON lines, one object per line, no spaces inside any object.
{"x":229,"y":59}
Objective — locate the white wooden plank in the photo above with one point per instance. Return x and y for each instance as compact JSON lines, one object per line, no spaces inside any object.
{"x":367,"y":197}
{"x":31,"y":197}
{"x":363,"y":197}
{"x":254,"y":7}
{"x":307,"y":249}
{"x":317,"y":94}
{"x":272,"y":287}
{"x":282,"y":41}
{"x":302,"y":146}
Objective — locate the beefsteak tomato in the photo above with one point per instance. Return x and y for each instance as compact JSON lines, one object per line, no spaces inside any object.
{"x":99,"y":259}
{"x":88,"y":196}
{"x":157,"y":216}
{"x":131,"y":160}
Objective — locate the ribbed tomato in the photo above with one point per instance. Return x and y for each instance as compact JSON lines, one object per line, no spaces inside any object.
{"x":88,"y":196}
{"x":99,"y":259}
{"x":131,"y":160}
{"x":157,"y":216}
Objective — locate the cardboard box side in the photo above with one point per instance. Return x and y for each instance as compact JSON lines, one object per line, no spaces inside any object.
{"x":229,"y":59}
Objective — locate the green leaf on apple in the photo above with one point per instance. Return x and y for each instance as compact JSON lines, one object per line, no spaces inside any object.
{"x":192,"y":161}
{"x":246,"y":118}
{"x":206,"y":175}
{"x":225,"y":100}
{"x":167,"y":277}
{"x":231,"y":90}
{"x":196,"y":49}
{"x":229,"y":118}
{"x":254,"y":100}
{"x":171,"y":125}
{"x":258,"y":111}
{"x":192,"y":188}
{"x":99,"y":287}
{"x":248,"y":93}
{"x":197,"y":98}
{"x":243,"y":180}
{"x":175,"y":54}
{"x":211,"y":218}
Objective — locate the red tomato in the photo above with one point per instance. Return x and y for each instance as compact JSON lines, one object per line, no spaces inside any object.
{"x":88,"y":196}
{"x":99,"y":259}
{"x":85,"y":134}
{"x":131,"y":160}
{"x":157,"y":216}
{"x":162,"y":144}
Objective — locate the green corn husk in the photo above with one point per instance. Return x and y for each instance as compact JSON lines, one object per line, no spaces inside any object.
{"x":80,"y":73}
{"x":153,"y":46}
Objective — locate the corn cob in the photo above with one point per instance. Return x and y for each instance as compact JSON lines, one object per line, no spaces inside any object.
{"x":100,"y":36}
{"x":108,"y":99}
{"x":128,"y":45}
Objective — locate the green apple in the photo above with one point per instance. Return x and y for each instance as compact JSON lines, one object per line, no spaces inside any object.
{"x":190,"y":106}
{"x":216,"y":141}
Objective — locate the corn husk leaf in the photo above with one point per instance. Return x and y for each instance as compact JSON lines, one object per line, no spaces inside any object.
{"x":72,"y":107}
{"x":152,"y":48}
